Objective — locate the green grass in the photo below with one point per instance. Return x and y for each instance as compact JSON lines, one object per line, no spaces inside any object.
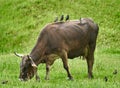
{"x":21,"y":22}
{"x":104,"y":66}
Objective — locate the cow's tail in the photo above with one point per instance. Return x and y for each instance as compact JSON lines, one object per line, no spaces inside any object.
{"x":97,"y":29}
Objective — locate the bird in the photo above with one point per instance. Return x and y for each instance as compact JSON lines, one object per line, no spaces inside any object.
{"x":80,"y":19}
{"x":4,"y":82}
{"x":115,"y":72}
{"x":67,"y":18}
{"x":62,"y":17}
{"x":56,"y":19}
{"x":105,"y":78}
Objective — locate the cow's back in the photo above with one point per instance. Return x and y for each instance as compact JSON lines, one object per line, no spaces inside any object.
{"x":70,"y":36}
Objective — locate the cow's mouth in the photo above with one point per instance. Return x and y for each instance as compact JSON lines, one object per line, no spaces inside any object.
{"x":26,"y":79}
{"x":21,"y":79}
{"x":29,"y":75}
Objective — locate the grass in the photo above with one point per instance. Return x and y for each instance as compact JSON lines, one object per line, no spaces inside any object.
{"x":104,"y":66}
{"x":21,"y":22}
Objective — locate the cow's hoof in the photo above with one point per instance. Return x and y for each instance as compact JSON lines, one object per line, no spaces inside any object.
{"x":46,"y":78}
{"x":90,"y":76}
{"x":70,"y":78}
{"x":38,"y":79}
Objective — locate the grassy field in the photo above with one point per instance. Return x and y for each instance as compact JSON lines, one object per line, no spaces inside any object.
{"x":105,"y":65}
{"x":20,"y":25}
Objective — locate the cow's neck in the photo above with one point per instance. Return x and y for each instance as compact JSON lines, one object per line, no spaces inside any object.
{"x":36,"y":58}
{"x":37,"y":54}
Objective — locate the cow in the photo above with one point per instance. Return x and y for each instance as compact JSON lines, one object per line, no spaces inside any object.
{"x":68,"y":39}
{"x":48,"y":60}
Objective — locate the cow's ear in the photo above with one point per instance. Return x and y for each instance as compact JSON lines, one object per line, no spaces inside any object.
{"x":19,"y":55}
{"x":32,"y":62}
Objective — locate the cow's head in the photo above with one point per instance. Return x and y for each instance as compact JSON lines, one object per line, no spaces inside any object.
{"x":27,"y":67}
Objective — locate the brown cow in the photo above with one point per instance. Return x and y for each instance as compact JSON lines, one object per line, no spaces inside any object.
{"x":65,"y":39}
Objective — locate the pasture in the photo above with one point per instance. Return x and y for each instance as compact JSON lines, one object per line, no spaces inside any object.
{"x":20,"y":25}
{"x":105,"y":64}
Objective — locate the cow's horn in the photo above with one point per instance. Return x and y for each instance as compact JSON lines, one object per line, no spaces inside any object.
{"x":32,"y":62}
{"x":19,"y":55}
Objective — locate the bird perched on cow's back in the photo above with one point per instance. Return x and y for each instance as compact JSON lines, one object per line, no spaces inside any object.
{"x":62,"y":17}
{"x":80,"y":19}
{"x":56,"y":19}
{"x":67,"y":18}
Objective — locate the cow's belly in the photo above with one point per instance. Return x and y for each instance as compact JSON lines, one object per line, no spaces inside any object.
{"x":75,"y":53}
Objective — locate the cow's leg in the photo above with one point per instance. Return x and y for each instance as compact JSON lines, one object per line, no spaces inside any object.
{"x":49,"y":62}
{"x":65,"y":63}
{"x":47,"y":71}
{"x":90,"y":60}
{"x":36,"y":76}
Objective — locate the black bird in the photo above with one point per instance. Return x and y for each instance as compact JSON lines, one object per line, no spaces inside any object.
{"x":106,"y":79}
{"x":67,"y":18}
{"x":80,"y":19}
{"x":56,"y":19}
{"x":4,"y":82}
{"x":115,"y":72}
{"x":62,"y":17}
